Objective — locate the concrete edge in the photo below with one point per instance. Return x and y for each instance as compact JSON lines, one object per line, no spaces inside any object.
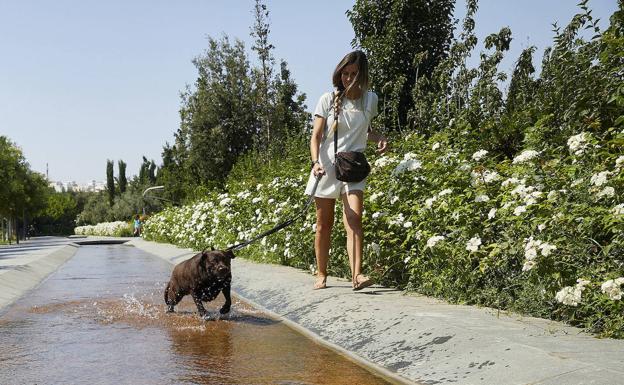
{"x":366,"y":364}
{"x":371,"y":366}
{"x":17,"y":282}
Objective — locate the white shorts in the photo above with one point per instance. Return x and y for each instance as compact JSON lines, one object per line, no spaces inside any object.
{"x":330,"y":187}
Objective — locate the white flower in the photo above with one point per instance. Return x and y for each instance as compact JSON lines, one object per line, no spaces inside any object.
{"x":578,"y":143}
{"x":600,"y":178}
{"x":606,"y":192}
{"x":375,"y":248}
{"x":378,"y":214}
{"x":612,"y":288}
{"x":618,"y":210}
{"x":552,"y":195}
{"x":435,"y":146}
{"x":482,"y":198}
{"x":477,"y":156}
{"x":619,"y":162}
{"x":225,"y":201}
{"x":519,"y":210}
{"x":407,"y":165}
{"x":384,"y":161}
{"x":509,"y":181}
{"x":429,"y":202}
{"x":374,"y":196}
{"x":445,"y":192}
{"x":407,"y":224}
{"x":473,"y":244}
{"x":528,"y":265}
{"x":547,"y":248}
{"x":433,"y":240}
{"x":492,"y":213}
{"x":569,"y":295}
{"x":271,"y":201}
{"x":394,"y":199}
{"x":541,"y":227}
{"x":314,"y":228}
{"x":525,"y":156}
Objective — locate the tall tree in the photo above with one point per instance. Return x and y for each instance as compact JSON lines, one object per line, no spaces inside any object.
{"x":290,"y":117}
{"x":260,"y":32}
{"x":404,"y":40}
{"x":123,"y":181}
{"x":218,"y":119}
{"x":110,"y":182}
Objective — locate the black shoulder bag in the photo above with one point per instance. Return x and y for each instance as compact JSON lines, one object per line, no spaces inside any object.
{"x":350,"y":166}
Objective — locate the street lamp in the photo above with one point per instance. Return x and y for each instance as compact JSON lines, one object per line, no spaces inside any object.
{"x":154,"y":197}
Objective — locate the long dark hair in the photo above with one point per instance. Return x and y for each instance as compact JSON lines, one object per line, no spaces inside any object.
{"x":356,"y":57}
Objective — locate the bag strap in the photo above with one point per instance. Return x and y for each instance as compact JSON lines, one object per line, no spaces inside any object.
{"x":335,"y":131}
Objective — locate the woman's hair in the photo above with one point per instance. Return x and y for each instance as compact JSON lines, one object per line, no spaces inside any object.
{"x":355,"y":57}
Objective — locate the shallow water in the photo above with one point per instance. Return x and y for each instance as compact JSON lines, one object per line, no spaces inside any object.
{"x":100,"y":319}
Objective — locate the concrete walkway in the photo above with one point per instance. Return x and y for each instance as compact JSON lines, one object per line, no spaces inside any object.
{"x":408,"y":338}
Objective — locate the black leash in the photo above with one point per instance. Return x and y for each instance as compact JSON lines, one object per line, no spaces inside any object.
{"x":283,"y":224}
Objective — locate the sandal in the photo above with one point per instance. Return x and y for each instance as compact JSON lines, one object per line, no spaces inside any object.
{"x":361,"y":283}
{"x":321,"y":282}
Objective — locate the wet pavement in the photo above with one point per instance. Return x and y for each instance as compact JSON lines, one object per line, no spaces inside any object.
{"x":101,"y":319}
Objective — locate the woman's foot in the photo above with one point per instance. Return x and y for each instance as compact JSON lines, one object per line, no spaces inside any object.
{"x":361,"y":281}
{"x":321,"y":282}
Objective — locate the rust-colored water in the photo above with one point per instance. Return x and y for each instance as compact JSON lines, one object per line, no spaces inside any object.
{"x":100,"y":319}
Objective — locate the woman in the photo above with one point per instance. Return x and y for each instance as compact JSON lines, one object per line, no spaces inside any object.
{"x":355,"y":106}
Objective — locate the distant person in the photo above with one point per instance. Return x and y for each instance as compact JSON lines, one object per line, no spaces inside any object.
{"x":137,"y":226}
{"x":353,"y":105}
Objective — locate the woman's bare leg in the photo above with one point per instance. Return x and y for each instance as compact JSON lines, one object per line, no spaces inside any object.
{"x":352,"y":218}
{"x":322,"y":238}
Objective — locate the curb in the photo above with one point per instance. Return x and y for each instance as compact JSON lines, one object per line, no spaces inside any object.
{"x":15,"y":283}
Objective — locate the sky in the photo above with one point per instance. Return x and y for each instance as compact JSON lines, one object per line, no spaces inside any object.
{"x":83,"y":81}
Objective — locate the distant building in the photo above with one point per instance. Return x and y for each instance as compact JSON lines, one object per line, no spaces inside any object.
{"x":93,"y":186}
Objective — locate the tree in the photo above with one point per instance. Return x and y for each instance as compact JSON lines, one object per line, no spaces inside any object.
{"x":260,"y":32}
{"x":218,"y":119}
{"x":123,"y":182}
{"x":22,"y":191}
{"x":404,"y":40}
{"x":290,"y":116}
{"x":110,"y":182}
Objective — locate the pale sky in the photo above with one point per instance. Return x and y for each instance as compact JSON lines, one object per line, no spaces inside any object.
{"x":86,"y":81}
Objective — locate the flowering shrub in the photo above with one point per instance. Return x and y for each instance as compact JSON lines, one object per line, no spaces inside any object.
{"x":106,"y":229}
{"x":511,"y":203}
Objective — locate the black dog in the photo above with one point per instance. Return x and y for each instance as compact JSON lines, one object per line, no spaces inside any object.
{"x":203,"y":276}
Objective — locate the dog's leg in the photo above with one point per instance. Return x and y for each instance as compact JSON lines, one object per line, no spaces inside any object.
{"x":169,"y":298}
{"x":228,"y":301}
{"x":198,"y":303}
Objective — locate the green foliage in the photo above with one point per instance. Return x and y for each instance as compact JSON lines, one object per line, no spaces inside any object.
{"x":405,"y":40}
{"x":110,"y":182}
{"x":121,"y":179}
{"x":510,"y":200}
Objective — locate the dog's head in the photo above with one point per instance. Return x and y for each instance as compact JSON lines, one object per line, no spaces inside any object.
{"x":217,"y":262}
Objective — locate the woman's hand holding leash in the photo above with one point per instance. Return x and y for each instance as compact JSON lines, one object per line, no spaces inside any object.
{"x":318,"y":170}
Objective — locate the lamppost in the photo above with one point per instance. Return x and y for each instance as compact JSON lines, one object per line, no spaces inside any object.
{"x":155,"y":197}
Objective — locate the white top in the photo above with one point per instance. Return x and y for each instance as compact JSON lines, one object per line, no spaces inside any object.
{"x":353,"y":122}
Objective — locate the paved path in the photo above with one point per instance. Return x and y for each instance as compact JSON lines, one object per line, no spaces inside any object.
{"x":410,"y":338}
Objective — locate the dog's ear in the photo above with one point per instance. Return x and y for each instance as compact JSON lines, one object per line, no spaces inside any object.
{"x":202,"y":260}
{"x":230,"y":253}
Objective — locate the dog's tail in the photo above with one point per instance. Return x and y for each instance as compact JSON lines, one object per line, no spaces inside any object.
{"x":167,"y":293}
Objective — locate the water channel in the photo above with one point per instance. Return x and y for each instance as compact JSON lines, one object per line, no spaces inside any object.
{"x":100,"y":319}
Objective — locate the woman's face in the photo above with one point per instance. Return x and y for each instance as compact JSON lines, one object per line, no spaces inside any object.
{"x":349,"y":74}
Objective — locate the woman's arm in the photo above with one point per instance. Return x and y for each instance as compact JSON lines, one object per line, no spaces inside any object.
{"x":382,"y":142}
{"x":315,"y":143}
